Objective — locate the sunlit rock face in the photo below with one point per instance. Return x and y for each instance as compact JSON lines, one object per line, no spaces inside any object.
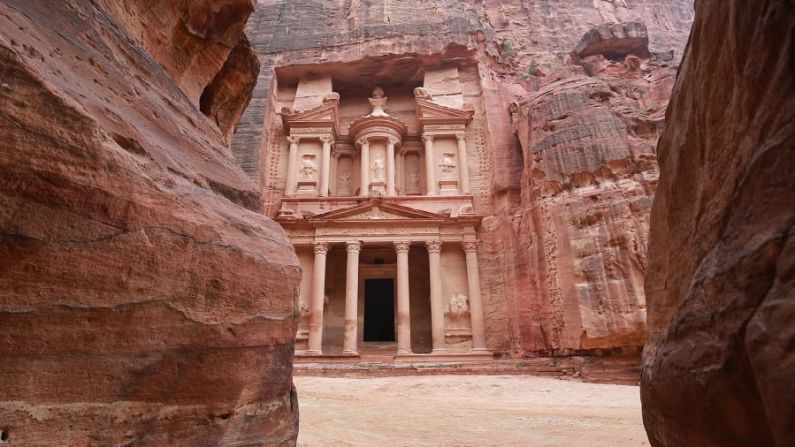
{"x":568,"y":101}
{"x":719,"y":360}
{"x":145,"y":300}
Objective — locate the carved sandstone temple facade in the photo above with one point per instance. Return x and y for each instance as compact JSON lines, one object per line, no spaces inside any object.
{"x":381,"y":212}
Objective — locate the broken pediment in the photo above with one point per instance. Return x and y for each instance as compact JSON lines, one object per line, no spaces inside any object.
{"x":325,"y":115}
{"x":429,"y":112}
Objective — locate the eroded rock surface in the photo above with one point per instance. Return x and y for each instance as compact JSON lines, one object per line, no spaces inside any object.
{"x":144,"y":299}
{"x":719,"y":360}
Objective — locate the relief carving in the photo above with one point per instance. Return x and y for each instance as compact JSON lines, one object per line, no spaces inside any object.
{"x":447,"y":164}
{"x":459,"y":304}
{"x":412,"y":167}
{"x":378,"y":170}
{"x":345,"y":176}
{"x":308,"y":167}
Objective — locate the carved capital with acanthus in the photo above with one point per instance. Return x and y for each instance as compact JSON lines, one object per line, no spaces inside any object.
{"x":292,"y":139}
{"x":433,"y":246}
{"x":326,"y":139}
{"x":402,"y":246}
{"x":470,"y":246}
{"x":353,"y":246}
{"x":426,"y":138}
{"x":362,"y":141}
{"x":460,"y":136}
{"x":392,"y":140}
{"x":321,"y":248}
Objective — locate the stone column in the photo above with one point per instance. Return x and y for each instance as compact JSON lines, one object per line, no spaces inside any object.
{"x":475,"y":301}
{"x":325,"y":165}
{"x":292,"y":166}
{"x":403,"y":302}
{"x":318,"y":297}
{"x":364,"y":159}
{"x":430,"y":166}
{"x":390,"y":166}
{"x":463,"y":162}
{"x":437,"y":307}
{"x":352,"y":299}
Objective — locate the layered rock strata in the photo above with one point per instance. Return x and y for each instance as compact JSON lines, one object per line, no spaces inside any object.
{"x":145,"y":300}
{"x":719,"y":361}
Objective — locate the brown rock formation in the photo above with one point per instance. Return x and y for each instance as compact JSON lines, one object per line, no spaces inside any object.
{"x":718,"y":365}
{"x":144,"y":298}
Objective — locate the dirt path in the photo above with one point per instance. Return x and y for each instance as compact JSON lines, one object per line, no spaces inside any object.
{"x":467,"y":411}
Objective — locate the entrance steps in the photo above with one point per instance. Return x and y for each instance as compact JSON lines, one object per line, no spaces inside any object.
{"x":618,"y":369}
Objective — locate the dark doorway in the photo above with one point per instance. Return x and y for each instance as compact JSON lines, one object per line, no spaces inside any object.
{"x":379,"y":310}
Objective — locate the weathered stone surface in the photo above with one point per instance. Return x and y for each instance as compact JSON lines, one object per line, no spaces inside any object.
{"x":144,"y":298}
{"x":719,"y":360}
{"x":589,"y":173}
{"x":614,"y":41}
{"x":191,"y":39}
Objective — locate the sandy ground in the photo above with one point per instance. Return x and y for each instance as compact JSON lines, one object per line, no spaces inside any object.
{"x":467,"y":411}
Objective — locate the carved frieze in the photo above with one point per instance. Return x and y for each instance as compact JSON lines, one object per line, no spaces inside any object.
{"x":375,"y":232}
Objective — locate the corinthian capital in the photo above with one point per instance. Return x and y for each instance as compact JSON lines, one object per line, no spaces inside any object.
{"x":326,"y":139}
{"x":426,"y":138}
{"x":433,"y":246}
{"x":470,"y":246}
{"x":402,"y":246}
{"x":293,"y":139}
{"x":321,"y":248}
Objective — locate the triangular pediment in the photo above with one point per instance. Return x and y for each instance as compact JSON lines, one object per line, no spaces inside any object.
{"x":376,"y":210}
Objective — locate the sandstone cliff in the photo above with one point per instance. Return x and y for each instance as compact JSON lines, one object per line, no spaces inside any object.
{"x":569,"y":176}
{"x":719,"y":361}
{"x":144,"y":299}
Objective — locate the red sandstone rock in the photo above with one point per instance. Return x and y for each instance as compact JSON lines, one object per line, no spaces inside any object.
{"x":564,"y":237}
{"x":719,"y":363}
{"x":144,"y":299}
{"x":590,"y":175}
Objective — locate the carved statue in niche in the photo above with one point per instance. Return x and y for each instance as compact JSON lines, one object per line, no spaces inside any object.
{"x":378,"y":169}
{"x":459,"y":304}
{"x":447,"y":164}
{"x":378,"y":102}
{"x":412,"y":174}
{"x":344,"y":176}
{"x":308,"y":167}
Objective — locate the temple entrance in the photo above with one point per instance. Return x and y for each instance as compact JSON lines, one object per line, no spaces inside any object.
{"x":379,"y":310}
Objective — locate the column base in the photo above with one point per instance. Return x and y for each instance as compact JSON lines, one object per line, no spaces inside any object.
{"x":405,"y":352}
{"x":309,"y":352}
{"x":350,"y":352}
{"x":440,"y":351}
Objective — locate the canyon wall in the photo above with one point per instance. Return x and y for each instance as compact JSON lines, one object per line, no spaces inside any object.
{"x":145,"y":300}
{"x":719,"y":361}
{"x":569,"y":100}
